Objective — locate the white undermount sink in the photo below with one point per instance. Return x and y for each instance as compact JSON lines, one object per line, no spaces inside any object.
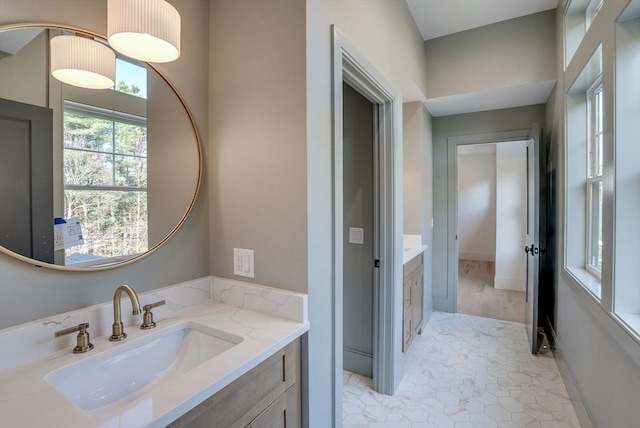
{"x":146,"y":362}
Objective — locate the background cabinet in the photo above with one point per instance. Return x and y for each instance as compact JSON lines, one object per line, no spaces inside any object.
{"x":413,"y":288}
{"x":267,"y":396}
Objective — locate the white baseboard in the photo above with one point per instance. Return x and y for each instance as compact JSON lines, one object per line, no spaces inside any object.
{"x":479,"y":257}
{"x":514,"y":284}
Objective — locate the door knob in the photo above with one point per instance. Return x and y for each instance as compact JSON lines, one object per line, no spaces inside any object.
{"x":534,"y":250}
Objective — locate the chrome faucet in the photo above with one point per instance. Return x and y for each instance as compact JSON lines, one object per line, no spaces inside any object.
{"x":118,"y":328}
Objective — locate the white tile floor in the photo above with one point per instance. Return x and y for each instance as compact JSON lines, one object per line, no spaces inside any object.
{"x":466,"y":372}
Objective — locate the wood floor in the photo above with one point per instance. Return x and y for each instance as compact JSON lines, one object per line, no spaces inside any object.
{"x":477,"y":296}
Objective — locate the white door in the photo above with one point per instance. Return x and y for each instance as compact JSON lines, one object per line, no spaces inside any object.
{"x":532,"y":249}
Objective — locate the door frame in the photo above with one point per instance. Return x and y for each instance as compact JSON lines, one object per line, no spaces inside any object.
{"x":351,"y":66}
{"x":452,"y":199}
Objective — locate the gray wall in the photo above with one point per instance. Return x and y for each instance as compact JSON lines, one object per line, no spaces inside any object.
{"x":28,"y":292}
{"x":418,"y":186}
{"x":24,"y":78}
{"x":520,"y":118}
{"x":602,"y":358}
{"x":258,"y":154}
{"x":393,"y":45}
{"x":427,"y":213}
{"x":413,"y":142}
{"x":171,"y":152}
{"x":358,"y":212}
{"x":507,"y":53}
{"x":476,"y":203}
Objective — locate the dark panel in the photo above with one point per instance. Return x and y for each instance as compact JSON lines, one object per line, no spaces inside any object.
{"x":26,"y":130}
{"x":15,"y":186}
{"x":548,"y":235}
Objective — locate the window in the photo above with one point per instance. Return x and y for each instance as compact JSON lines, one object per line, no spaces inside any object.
{"x":131,"y":78}
{"x":593,"y":262}
{"x":578,"y":16}
{"x":602,"y":169}
{"x":585,"y":152}
{"x":105,"y":181}
{"x":626,"y":263}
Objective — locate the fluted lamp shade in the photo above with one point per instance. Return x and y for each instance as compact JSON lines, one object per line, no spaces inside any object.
{"x":146,"y":30}
{"x":83,"y":62}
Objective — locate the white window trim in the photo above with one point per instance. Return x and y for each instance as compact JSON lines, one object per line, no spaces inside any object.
{"x":587,"y":264}
{"x":592,"y":10}
{"x":593,"y":176}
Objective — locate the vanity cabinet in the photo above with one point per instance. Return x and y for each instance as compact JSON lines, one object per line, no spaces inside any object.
{"x":412,"y":313}
{"x":267,"y":396}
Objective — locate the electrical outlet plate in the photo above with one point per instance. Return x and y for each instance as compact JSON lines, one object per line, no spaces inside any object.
{"x":243,"y":262}
{"x":356,"y":235}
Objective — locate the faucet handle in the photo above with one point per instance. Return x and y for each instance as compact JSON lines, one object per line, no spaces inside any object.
{"x":83,"y":344}
{"x":147,"y":317}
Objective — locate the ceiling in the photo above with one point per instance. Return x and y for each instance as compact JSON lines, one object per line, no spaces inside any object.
{"x":14,"y":40}
{"x":436,"y":18}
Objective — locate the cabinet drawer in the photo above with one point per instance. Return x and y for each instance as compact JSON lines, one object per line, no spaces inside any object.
{"x":282,"y":413}
{"x":242,"y":401}
{"x":412,"y":265}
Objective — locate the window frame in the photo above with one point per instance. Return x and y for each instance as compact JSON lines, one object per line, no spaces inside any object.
{"x":592,"y":10}
{"x":595,"y":170}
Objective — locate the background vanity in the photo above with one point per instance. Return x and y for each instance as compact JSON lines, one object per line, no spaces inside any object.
{"x":412,"y":288}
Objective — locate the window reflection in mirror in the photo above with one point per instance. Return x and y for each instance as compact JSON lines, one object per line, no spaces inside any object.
{"x":105,"y":181}
{"x":131,"y":78}
{"x":105,"y":168}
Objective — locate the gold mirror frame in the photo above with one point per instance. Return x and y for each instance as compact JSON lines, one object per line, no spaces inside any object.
{"x":196,"y":191}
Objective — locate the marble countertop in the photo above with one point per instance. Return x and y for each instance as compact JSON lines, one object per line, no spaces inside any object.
{"x":27,"y":400}
{"x":412,"y":246}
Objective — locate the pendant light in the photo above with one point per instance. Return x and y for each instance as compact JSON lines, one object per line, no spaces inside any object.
{"x":146,"y":30}
{"x":83,"y":62}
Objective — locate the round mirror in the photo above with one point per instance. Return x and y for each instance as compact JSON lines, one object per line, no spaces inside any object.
{"x":89,"y":178}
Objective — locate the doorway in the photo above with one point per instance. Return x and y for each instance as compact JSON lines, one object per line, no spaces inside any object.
{"x":352,"y":67}
{"x":532,"y":249}
{"x":26,"y":184}
{"x":360,"y":236}
{"x":491,"y":217}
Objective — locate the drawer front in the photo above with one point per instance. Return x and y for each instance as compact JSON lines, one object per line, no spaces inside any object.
{"x":406,"y":295}
{"x":412,"y":265}
{"x":246,"y":398}
{"x":282,"y":413}
{"x":407,"y":330}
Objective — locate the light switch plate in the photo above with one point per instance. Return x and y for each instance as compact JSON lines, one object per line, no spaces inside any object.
{"x":243,"y":262}
{"x":356,"y":235}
